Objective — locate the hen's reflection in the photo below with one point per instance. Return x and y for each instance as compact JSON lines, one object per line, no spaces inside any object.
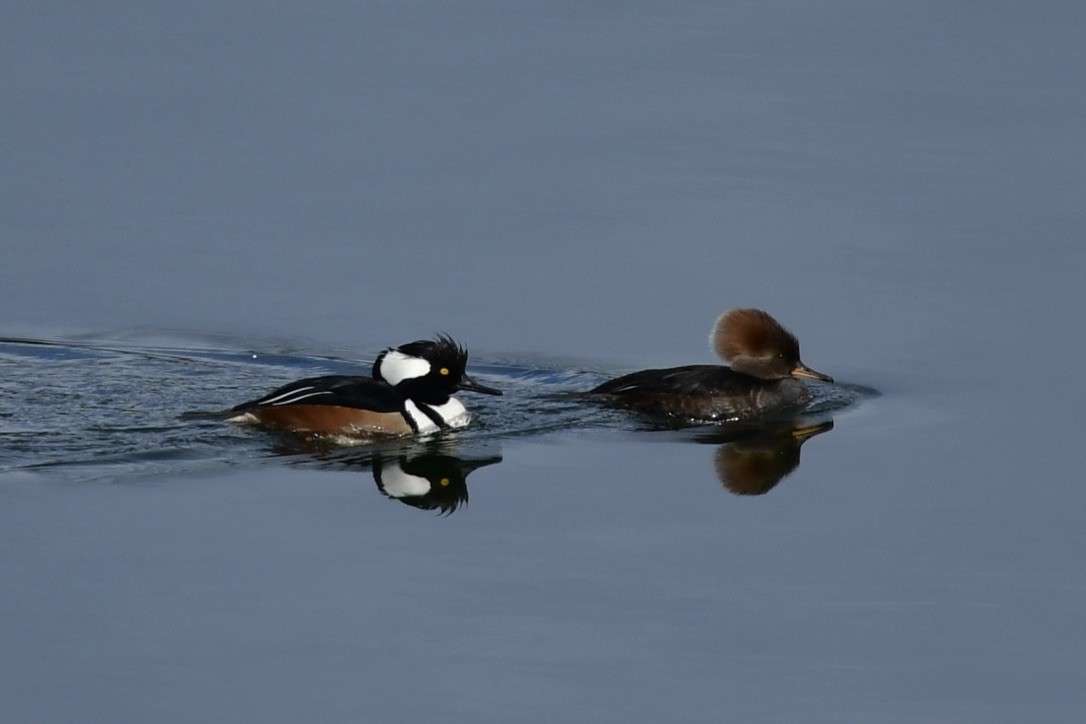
{"x":751,"y":460}
{"x":428,"y":475}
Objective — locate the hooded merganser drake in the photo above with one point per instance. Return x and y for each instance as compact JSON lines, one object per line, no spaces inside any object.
{"x":410,"y":392}
{"x":762,"y":379}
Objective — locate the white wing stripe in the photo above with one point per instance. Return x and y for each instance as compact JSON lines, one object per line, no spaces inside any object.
{"x":288,"y":393}
{"x":295,"y":396}
{"x":292,"y":400}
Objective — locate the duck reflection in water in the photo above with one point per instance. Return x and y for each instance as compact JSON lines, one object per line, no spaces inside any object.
{"x":427,"y":480}
{"x":752,"y":460}
{"x":430,"y":475}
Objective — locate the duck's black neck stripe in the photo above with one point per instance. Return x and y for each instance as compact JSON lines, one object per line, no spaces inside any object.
{"x":433,"y":414}
{"x":410,"y":418}
{"x":425,"y":409}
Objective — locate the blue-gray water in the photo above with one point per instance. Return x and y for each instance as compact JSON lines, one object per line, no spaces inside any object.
{"x":571,"y":190}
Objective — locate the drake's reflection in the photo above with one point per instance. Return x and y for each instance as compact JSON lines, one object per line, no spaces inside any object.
{"x":429,"y":480}
{"x":751,"y":460}
{"x":428,"y":475}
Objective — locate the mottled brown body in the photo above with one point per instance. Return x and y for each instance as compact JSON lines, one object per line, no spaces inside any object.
{"x":703,"y":393}
{"x":761,"y":381}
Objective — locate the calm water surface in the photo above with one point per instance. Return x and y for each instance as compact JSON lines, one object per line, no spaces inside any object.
{"x":200,"y":204}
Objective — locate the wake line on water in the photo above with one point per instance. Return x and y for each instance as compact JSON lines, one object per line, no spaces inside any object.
{"x":89,"y":409}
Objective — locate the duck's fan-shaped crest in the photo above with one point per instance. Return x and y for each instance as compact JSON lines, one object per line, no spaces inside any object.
{"x":751,"y":333}
{"x":449,"y":347}
{"x":442,"y":349}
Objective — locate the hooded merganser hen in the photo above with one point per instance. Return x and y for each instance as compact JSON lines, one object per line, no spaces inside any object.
{"x":763,"y":455}
{"x":410,"y":392}
{"x":765,"y":363}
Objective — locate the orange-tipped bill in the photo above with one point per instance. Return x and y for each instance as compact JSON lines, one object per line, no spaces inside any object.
{"x":803,"y":370}
{"x":809,"y":431}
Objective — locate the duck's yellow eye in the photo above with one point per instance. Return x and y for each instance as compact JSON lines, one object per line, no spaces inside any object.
{"x":444,"y":371}
{"x":444,"y":482}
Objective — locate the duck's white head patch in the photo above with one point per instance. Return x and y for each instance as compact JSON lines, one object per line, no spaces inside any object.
{"x":398,"y":484}
{"x":396,"y":367}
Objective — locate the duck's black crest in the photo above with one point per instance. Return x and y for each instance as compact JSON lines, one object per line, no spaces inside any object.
{"x":441,"y":348}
